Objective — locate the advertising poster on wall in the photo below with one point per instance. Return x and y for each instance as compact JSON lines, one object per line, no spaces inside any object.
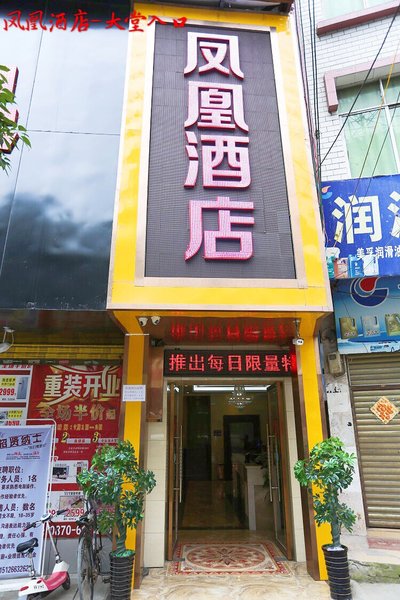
{"x":15,"y":383}
{"x":362,"y":226}
{"x":85,"y":402}
{"x":367,"y":314}
{"x":25,"y":454}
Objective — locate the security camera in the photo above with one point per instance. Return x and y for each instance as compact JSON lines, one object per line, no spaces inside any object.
{"x":155,"y":320}
{"x":143,"y":321}
{"x":298,"y":341}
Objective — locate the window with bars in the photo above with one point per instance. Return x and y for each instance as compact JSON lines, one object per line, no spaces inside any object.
{"x":332,"y":9}
{"x":372,"y":132}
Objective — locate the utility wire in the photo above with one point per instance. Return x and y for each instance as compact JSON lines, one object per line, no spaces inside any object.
{"x":362,"y":86}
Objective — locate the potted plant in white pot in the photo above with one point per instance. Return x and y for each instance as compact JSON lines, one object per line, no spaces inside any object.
{"x":329,"y":470}
{"x":119,"y":485}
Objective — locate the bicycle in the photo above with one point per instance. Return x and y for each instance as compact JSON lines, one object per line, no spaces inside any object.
{"x":40,"y":586}
{"x":90,"y":546}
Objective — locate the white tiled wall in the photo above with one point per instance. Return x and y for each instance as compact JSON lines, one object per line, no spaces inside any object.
{"x":298,"y":530}
{"x":154,"y":519}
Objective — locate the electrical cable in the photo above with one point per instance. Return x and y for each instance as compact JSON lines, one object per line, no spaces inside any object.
{"x":362,"y":85}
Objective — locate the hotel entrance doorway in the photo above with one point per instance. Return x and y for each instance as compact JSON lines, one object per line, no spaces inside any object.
{"x":228,"y":463}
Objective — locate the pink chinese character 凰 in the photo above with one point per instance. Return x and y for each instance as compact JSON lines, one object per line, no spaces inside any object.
{"x":215,"y":106}
{"x":214,"y":49}
{"x":224,"y":206}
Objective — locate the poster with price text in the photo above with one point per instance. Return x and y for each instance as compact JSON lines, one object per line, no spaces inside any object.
{"x":15,"y":382}
{"x":25,"y":454}
{"x":84,"y":401}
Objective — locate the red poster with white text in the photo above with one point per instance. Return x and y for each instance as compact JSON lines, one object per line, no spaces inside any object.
{"x":84,"y":401}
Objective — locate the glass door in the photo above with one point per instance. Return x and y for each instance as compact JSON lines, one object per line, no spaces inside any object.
{"x":278,"y":469}
{"x":175,"y":465}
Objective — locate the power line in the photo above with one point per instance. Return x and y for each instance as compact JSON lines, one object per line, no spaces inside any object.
{"x":362,"y":86}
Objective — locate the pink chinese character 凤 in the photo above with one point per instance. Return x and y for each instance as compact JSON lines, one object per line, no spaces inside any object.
{"x":214,"y":49}
{"x":224,"y":206}
{"x":215,"y":106}
{"x":215,"y":150}
{"x":14,"y":21}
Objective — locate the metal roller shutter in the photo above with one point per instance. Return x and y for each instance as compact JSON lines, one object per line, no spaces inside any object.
{"x":379,"y":444}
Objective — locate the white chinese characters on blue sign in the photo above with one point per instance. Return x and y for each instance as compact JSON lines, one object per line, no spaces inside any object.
{"x":362,"y":224}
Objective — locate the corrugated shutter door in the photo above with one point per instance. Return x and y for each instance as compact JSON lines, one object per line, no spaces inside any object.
{"x":379,"y":444}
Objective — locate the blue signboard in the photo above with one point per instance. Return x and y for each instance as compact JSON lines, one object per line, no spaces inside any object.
{"x":367,"y":314}
{"x":362,"y":224}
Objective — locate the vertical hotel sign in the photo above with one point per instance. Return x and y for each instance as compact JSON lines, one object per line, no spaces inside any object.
{"x":214,"y":110}
{"x":217,"y":201}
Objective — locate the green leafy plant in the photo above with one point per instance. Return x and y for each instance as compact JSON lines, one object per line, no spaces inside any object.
{"x":328,"y":471}
{"x":115,"y":480}
{"x":9,"y":129}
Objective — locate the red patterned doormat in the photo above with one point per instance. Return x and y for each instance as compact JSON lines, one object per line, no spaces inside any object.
{"x":227,"y":559}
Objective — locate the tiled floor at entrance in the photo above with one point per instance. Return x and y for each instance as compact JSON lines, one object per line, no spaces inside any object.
{"x":209,"y":504}
{"x":299,"y":586}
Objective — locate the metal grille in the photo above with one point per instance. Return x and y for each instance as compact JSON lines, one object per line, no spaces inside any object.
{"x":379,"y":444}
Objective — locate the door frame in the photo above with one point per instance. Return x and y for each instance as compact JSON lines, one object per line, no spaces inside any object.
{"x":288,"y":498}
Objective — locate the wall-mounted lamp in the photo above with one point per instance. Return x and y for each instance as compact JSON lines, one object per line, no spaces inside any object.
{"x":8,"y":339}
{"x":155,"y":320}
{"x":143,"y":321}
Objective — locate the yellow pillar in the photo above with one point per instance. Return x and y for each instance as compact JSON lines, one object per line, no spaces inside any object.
{"x":310,"y":376}
{"x":135,"y":358}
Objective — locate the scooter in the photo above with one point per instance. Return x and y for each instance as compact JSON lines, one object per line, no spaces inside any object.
{"x":39,"y":586}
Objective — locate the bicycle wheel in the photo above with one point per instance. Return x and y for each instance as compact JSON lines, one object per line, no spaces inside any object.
{"x":85,"y":569}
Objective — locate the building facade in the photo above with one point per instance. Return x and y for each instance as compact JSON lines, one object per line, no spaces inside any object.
{"x":351,"y":63}
{"x":192,"y":119}
{"x":217,"y":275}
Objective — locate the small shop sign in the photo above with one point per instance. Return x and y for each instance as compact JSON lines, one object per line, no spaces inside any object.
{"x":384,"y":409}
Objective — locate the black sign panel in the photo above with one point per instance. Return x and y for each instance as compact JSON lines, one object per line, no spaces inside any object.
{"x":184,"y":150}
{"x":205,"y":363}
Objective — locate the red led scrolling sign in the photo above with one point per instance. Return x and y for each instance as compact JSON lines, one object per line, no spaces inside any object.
{"x":195,"y":363}
{"x":10,"y":84}
{"x":219,"y":108}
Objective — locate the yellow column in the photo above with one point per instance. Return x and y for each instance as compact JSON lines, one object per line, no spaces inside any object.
{"x":135,"y":374}
{"x":309,"y":360}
